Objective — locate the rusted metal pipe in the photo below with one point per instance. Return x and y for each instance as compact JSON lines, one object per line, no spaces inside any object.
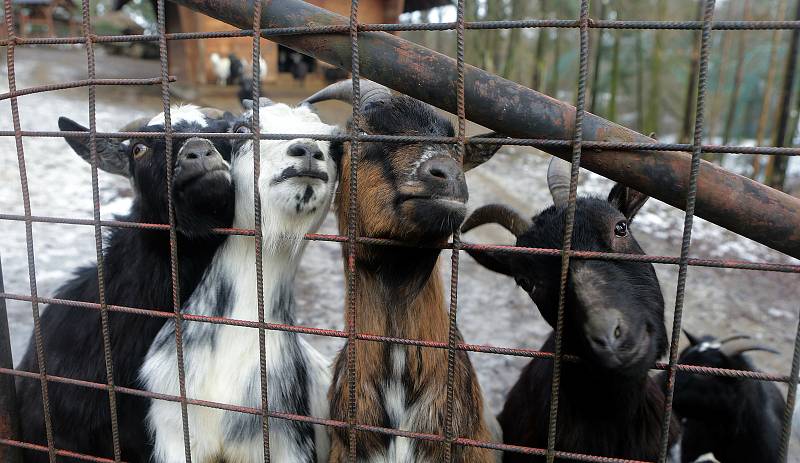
{"x":737,"y":203}
{"x":9,"y":418}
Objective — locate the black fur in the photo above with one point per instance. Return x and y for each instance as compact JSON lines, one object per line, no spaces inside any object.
{"x":738,"y":420}
{"x":137,"y":274}
{"x":606,"y":407}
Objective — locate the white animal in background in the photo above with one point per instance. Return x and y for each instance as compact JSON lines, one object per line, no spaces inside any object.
{"x":221,"y":67}
{"x":222,"y":362}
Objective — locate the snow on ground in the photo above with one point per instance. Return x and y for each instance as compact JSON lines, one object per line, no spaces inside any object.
{"x":491,"y":310}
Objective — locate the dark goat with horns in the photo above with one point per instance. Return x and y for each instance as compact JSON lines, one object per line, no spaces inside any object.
{"x":137,"y":274}
{"x":614,"y":321}
{"x":736,"y":419}
{"x":411,"y":192}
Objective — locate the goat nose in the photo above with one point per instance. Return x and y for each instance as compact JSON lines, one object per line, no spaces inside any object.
{"x":196,"y":157}
{"x":196,"y":148}
{"x":610,"y":338}
{"x":440,"y":170}
{"x":306,"y":150}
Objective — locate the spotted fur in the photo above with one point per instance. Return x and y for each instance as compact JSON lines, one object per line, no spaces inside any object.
{"x":222,"y":362}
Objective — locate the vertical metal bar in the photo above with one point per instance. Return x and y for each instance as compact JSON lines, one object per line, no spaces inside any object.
{"x":9,"y":414}
{"x":173,"y":240}
{"x":26,"y":203}
{"x":355,"y":147}
{"x":452,"y":329}
{"x":98,"y":230}
{"x":569,"y":223}
{"x":262,"y":339}
{"x":691,"y":196}
{"x":791,"y":398}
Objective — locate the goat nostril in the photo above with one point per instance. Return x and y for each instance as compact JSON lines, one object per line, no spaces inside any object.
{"x":318,"y":156}
{"x":438,"y":173}
{"x":191,"y":155}
{"x":297,"y":150}
{"x":209,"y":153}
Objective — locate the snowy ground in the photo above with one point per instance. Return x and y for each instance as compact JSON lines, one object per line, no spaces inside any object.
{"x":491,"y":310}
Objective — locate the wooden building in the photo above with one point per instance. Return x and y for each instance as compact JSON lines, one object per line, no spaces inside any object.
{"x":189,"y":59}
{"x":40,"y":17}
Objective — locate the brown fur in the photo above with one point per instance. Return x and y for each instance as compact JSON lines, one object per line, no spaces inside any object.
{"x":413,"y":309}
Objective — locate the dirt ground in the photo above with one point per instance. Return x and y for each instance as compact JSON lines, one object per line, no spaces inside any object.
{"x":491,"y":310}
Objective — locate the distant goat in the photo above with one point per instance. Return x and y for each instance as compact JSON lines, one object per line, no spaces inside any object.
{"x":222,"y":361}
{"x":236,"y":70}
{"x":221,"y":68}
{"x":411,"y":192}
{"x":736,"y":419}
{"x":614,"y":321}
{"x":137,"y":274}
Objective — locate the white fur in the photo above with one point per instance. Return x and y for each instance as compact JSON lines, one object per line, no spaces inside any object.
{"x":222,"y":360}
{"x":181,"y":113}
{"x":221,"y":67}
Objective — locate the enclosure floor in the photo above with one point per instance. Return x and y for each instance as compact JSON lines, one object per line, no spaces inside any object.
{"x":490,"y":309}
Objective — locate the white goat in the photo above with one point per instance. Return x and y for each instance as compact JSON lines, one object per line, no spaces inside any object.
{"x":221,"y":67}
{"x":296,"y":186}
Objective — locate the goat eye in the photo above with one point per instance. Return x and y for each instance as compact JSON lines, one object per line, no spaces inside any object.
{"x":243,"y":129}
{"x":139,"y":150}
{"x":621,"y":228}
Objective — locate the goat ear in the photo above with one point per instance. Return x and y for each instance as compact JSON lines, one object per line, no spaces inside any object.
{"x":693,"y":340}
{"x":111,"y":155}
{"x":627,"y":200}
{"x":500,"y":262}
{"x":476,"y":154}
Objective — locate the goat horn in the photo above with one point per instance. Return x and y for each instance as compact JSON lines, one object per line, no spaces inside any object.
{"x":740,"y":346}
{"x":558,"y":176}
{"x":735,"y":337}
{"x":502,"y":215}
{"x":343,"y":91}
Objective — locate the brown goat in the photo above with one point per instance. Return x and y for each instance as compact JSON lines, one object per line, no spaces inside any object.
{"x":411,"y":192}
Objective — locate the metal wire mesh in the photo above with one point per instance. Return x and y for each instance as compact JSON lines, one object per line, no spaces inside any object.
{"x":576,"y":145}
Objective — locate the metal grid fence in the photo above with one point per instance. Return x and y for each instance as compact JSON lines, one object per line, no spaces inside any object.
{"x":576,"y":145}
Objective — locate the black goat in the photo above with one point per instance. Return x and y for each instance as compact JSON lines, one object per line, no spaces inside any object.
{"x":137,"y":274}
{"x":738,"y":420}
{"x":237,"y":70}
{"x":614,"y":321}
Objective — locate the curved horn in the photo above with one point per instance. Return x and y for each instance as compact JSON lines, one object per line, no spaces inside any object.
{"x":558,"y":175}
{"x":735,"y":337}
{"x":500,"y":214}
{"x":740,"y":346}
{"x":343,"y":91}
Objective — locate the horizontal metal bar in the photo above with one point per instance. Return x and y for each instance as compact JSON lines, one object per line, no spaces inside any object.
{"x":478,"y":348}
{"x":82,"y":83}
{"x":62,"y":453}
{"x":533,"y":142}
{"x":391,"y":27}
{"x":737,"y":203}
{"x":291,"y":417}
{"x":654,"y":259}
